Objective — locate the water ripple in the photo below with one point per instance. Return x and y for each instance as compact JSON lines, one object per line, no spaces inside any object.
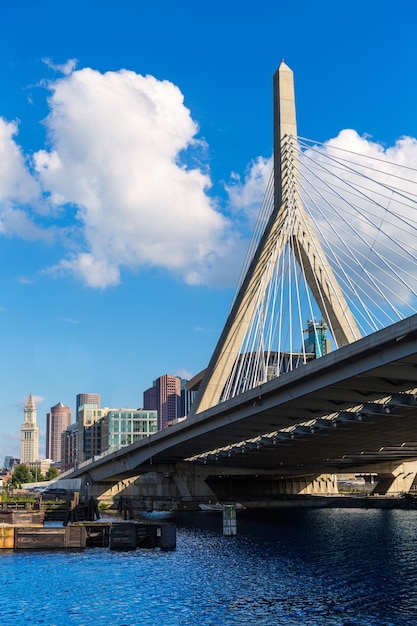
{"x":309,"y":568}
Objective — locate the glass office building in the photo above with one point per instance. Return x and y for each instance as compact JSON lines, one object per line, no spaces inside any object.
{"x":121,"y":427}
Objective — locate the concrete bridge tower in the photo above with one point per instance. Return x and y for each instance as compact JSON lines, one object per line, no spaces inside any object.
{"x":289,"y":218}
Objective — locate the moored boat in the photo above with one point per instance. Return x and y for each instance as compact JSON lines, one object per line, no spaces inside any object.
{"x":217,"y":506}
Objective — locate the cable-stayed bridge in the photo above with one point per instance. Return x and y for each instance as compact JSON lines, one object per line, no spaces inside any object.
{"x":316,"y":368}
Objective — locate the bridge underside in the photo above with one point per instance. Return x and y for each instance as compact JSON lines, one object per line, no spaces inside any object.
{"x":353,"y":409}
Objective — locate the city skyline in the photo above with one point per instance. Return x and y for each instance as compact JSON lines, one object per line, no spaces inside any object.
{"x":132,"y":173}
{"x":62,"y":412}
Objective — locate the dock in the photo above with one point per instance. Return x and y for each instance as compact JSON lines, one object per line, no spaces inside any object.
{"x":25,"y":530}
{"x":112,"y":535}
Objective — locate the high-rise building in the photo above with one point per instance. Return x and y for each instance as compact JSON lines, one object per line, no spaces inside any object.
{"x":29,"y":433}
{"x":121,"y":427}
{"x":187,"y":398}
{"x":88,"y":412}
{"x":69,"y":447}
{"x":57,"y":421}
{"x":10,"y":462}
{"x":87,"y":401}
{"x":149,"y":398}
{"x":166,"y":399}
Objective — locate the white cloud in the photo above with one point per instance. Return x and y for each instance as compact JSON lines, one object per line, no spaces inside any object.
{"x":24,"y":280}
{"x":116,"y":160}
{"x":20,"y":194}
{"x":362,"y":200}
{"x":70,"y":320}
{"x":18,"y":188}
{"x":373,"y":185}
{"x":16,"y":183}
{"x":64,"y":68}
{"x":245,"y":197}
{"x":37,"y":400}
{"x":185,"y":374}
{"x":116,"y":150}
{"x":17,"y":222}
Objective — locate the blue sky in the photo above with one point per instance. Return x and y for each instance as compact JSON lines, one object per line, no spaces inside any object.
{"x":134,"y":143}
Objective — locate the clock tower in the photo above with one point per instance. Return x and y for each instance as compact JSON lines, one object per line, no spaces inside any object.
{"x":29,"y":434}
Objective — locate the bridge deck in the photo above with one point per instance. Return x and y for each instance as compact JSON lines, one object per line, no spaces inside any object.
{"x":376,"y":368}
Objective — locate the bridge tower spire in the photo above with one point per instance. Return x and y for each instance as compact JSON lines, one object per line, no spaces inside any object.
{"x":288,"y":217}
{"x":287,"y":200}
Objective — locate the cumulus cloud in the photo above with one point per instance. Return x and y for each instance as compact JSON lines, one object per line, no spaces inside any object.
{"x":375,"y":162}
{"x":362,"y":199}
{"x":18,"y":188}
{"x":17,"y":222}
{"x":246,"y":195}
{"x":367,"y":187}
{"x":16,"y":183}
{"x":121,"y":182}
{"x":116,"y":154}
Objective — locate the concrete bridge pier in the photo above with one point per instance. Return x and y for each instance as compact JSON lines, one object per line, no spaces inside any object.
{"x":396,"y":480}
{"x":107,"y":490}
{"x":323,"y":484}
{"x":313,"y":485}
{"x":192,"y":484}
{"x":188,"y":483}
{"x":183,"y":481}
{"x":265,"y":488}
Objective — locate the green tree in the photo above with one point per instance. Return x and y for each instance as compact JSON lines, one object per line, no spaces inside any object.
{"x":21,"y":475}
{"x":52,"y":473}
{"x":37,"y":476}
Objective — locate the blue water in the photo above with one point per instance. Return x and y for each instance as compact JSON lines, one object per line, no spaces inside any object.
{"x":337,"y":567}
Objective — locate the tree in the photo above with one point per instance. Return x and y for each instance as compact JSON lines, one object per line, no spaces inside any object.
{"x":37,"y":476}
{"x":21,"y":475}
{"x":52,"y":473}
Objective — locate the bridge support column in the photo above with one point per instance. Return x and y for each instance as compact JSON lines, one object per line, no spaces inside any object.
{"x":108,"y":491}
{"x":183,"y":481}
{"x":324,"y":484}
{"x":190,"y":482}
{"x":196,"y":487}
{"x":397,"y":480}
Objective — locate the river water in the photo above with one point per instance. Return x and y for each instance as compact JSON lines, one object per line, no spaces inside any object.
{"x":330,"y":567}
